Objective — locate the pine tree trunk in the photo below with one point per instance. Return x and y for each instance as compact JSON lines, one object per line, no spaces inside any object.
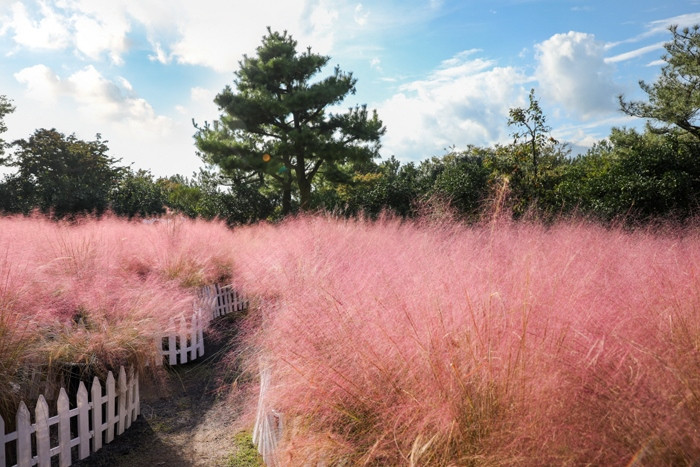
{"x":304,"y":193}
{"x":286,"y":200}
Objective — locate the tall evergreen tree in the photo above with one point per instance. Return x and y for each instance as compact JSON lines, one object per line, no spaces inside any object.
{"x":674,"y":99}
{"x":274,"y":128}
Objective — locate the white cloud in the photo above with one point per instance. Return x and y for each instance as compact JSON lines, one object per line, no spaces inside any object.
{"x":660,"y":27}
{"x":584,"y":135}
{"x":217,"y":34}
{"x":360,"y":15}
{"x":50,"y":28}
{"x":94,"y":37}
{"x":682,"y":21}
{"x":465,"y":101}
{"x":572,"y":71}
{"x":49,"y":31}
{"x":94,"y":96}
{"x":41,"y":83}
{"x":209,"y":33}
{"x":659,"y":62}
{"x":86,"y":103}
{"x":160,"y":55}
{"x":635,"y":53}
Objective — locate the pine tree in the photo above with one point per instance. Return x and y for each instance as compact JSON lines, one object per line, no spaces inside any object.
{"x":674,"y":99}
{"x":274,"y":129}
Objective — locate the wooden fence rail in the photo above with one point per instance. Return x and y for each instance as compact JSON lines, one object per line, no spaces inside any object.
{"x":98,"y":418}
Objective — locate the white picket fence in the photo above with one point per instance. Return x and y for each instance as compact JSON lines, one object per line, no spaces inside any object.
{"x":184,"y":341}
{"x":269,"y":424}
{"x":98,"y":418}
{"x":228,"y":300}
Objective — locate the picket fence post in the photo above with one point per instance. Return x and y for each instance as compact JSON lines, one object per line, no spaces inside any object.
{"x":126,"y":401}
{"x":24,"y":436}
{"x":64,"y":439}
{"x":83,"y":406}
{"x":96,"y":414}
{"x":43,"y":444}
{"x":121,"y":395}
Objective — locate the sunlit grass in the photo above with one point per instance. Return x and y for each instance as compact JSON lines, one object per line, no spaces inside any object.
{"x":399,"y":343}
{"x":94,"y":294}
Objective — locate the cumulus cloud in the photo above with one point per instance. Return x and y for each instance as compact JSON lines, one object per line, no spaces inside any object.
{"x":94,"y":95}
{"x":465,"y":101}
{"x":53,"y":28}
{"x":572,"y":71}
{"x":209,"y":33}
{"x":41,"y":83}
{"x":47,"y":30}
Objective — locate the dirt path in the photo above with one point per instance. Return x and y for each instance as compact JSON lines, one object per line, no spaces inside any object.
{"x":189,"y":420}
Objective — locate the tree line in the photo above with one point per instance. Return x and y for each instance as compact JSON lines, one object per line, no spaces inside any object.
{"x":277,"y":149}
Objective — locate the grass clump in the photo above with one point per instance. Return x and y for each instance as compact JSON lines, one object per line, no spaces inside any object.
{"x":245,"y":454}
{"x":85,"y":297}
{"x":400,"y":343}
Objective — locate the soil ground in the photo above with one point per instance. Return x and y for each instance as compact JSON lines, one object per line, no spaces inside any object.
{"x":188,"y":416}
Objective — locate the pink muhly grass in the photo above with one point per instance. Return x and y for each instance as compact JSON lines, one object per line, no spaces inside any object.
{"x":96,"y":293}
{"x":397,"y":343}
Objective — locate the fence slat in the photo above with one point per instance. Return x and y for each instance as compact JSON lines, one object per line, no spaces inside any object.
{"x":83,"y":421}
{"x":122,"y":394}
{"x":96,"y":415}
{"x":24,"y":436}
{"x":64,"y":458}
{"x":110,"y":419}
{"x":43,"y":445}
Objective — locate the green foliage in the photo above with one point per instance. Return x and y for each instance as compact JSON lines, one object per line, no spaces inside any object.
{"x":138,"y":194}
{"x":460,"y":178}
{"x":274,"y":129}
{"x":390,"y":187}
{"x":638,"y":177}
{"x":532,"y":127}
{"x":204,"y":196}
{"x":6,"y":108}
{"x":60,"y":174}
{"x":245,"y":453}
{"x":674,"y":99}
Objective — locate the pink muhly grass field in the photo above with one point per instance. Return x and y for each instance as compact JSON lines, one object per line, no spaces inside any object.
{"x":96,"y":293}
{"x":400,"y":343}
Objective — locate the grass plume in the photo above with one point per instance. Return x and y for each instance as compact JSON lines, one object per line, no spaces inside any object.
{"x":401,"y":343}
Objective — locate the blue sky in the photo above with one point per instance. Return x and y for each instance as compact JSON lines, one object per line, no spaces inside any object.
{"x":439,"y":72}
